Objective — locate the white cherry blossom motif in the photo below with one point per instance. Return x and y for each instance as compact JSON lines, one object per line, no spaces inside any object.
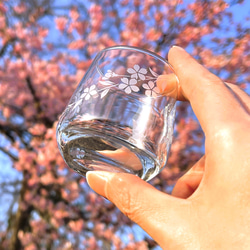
{"x":89,"y":92}
{"x":137,"y":79}
{"x":109,"y":74}
{"x":128,"y":85}
{"x":151,"y":89}
{"x":137,"y":72}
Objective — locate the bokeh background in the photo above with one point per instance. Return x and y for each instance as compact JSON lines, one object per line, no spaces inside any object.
{"x":46,"y":46}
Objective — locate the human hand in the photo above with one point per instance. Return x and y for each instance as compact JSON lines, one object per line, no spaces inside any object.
{"x":210,"y":205}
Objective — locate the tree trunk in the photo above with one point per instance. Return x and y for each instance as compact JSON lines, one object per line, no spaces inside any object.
{"x":20,"y":220}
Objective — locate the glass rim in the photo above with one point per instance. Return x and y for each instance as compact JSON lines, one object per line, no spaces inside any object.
{"x":128,"y":47}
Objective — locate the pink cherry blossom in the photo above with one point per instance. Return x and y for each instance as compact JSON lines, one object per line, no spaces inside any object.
{"x":74,"y":13}
{"x":78,"y":44}
{"x":61,"y":23}
{"x":76,"y":226}
{"x":20,"y":9}
{"x":47,"y":179}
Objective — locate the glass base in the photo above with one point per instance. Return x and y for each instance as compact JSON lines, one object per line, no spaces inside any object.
{"x":87,"y":150}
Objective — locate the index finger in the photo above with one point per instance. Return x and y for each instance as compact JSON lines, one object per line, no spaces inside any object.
{"x":212,"y":102}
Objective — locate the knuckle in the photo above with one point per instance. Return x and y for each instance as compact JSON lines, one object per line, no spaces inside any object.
{"x":207,"y":80}
{"x":124,"y":197}
{"x":130,"y":206}
{"x":228,"y":137}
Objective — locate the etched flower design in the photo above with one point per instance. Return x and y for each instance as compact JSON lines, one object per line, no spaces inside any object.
{"x":136,"y":72}
{"x":77,"y":103}
{"x":109,"y":74}
{"x":128,"y":85}
{"x":151,"y":89}
{"x":89,"y":92}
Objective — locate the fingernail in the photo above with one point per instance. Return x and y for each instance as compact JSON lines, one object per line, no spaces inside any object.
{"x":177,"y":47}
{"x":97,"y":181}
{"x":167,"y":85}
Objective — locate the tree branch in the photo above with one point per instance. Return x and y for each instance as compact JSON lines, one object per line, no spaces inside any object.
{"x":21,"y":219}
{"x":13,"y":157}
{"x":38,"y":104}
{"x":8,"y":129}
{"x":6,"y":45}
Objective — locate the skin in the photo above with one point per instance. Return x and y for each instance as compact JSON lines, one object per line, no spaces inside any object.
{"x":210,"y":205}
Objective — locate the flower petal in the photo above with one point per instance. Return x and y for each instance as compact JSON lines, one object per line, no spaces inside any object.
{"x":145,"y":86}
{"x":135,"y":88}
{"x":125,"y":80}
{"x":132,"y":82}
{"x":86,"y":90}
{"x":151,"y":84}
{"x":156,"y":90}
{"x":154,"y":94}
{"x":131,"y":71}
{"x":128,"y":90}
{"x":134,"y":76}
{"x":148,"y":92}
{"x":93,"y":92}
{"x":141,"y":76}
{"x":87,"y":97}
{"x":92,"y":88}
{"x":143,"y":71}
{"x":136,"y":67}
{"x":122,"y":86}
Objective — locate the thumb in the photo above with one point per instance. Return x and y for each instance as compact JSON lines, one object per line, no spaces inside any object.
{"x":162,"y":216}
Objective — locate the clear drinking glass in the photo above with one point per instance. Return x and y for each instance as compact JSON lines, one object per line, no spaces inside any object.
{"x":117,"y":120}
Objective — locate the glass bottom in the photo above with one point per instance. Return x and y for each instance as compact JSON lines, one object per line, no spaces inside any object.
{"x":88,"y":149}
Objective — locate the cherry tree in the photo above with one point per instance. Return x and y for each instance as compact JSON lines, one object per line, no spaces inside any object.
{"x":45,"y":48}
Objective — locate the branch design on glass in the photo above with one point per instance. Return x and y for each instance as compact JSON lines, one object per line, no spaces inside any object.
{"x":137,"y":80}
{"x":129,"y":83}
